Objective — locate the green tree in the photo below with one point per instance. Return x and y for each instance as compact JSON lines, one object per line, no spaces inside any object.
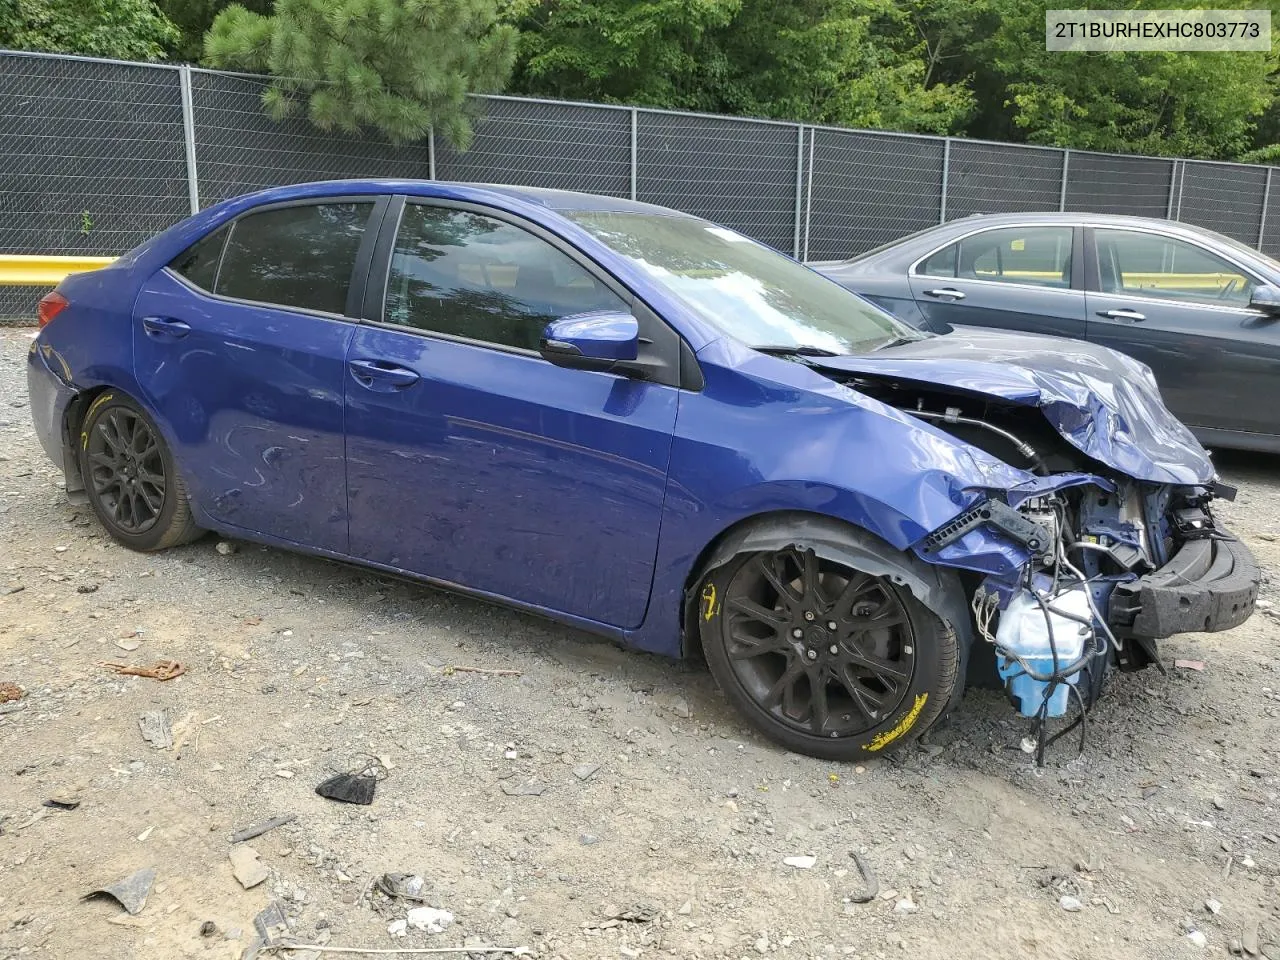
{"x":193,"y":18}
{"x":122,"y":29}
{"x":399,"y":66}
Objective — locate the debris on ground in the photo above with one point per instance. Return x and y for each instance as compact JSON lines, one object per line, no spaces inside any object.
{"x":401,"y":886}
{"x":1198,"y":938}
{"x":800,"y":863}
{"x":530,"y":788}
{"x":155,"y":729}
{"x":226,"y":548}
{"x":160,"y":670}
{"x":247,"y":868}
{"x":63,"y":801}
{"x":356,"y":785}
{"x":1197,"y":665}
{"x":130,"y":892}
{"x":1070,"y":904}
{"x":10,"y":692}
{"x":585,"y":771}
{"x":208,"y":928}
{"x":258,"y":829}
{"x":429,"y":919}
{"x":127,"y":644}
{"x":868,"y":878}
{"x":455,"y":668}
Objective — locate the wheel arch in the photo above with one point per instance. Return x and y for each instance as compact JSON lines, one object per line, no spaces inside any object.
{"x":938,"y":588}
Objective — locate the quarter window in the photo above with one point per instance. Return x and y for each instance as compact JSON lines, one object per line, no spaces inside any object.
{"x":297,"y":256}
{"x":942,"y":263}
{"x":468,"y":275}
{"x":199,"y":262}
{"x":1147,"y":264}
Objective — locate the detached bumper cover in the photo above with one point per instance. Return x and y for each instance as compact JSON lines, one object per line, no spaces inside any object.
{"x":49,"y":396}
{"x":1208,"y":585}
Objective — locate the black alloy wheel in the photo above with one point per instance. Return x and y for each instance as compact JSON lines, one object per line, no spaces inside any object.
{"x":126,"y":471}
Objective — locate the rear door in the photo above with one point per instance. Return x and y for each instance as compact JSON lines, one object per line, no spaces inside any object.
{"x":240,"y":347}
{"x":1013,"y":278}
{"x":1183,"y":310}
{"x":472,"y":460}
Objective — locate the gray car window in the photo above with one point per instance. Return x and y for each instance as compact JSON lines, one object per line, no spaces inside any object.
{"x":1148,"y":264}
{"x":1039,"y":256}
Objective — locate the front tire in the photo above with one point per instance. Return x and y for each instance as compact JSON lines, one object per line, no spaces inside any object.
{"x":824,"y":659}
{"x":132,"y":482}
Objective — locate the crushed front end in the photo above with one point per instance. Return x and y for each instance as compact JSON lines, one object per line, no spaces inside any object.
{"x":1110,"y":542}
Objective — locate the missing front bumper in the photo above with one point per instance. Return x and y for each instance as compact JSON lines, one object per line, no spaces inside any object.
{"x":1209,"y":585}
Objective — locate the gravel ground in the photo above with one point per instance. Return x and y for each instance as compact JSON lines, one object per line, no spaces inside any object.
{"x":600,"y":802}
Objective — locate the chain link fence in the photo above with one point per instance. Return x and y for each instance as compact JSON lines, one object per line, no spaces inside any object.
{"x":98,"y":155}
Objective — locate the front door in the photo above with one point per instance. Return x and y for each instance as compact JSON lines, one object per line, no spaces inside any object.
{"x":1184,"y":311}
{"x":1013,"y":278}
{"x":240,"y":346}
{"x":472,"y":460}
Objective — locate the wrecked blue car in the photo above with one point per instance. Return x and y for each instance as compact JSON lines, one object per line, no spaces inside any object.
{"x":648,"y":426}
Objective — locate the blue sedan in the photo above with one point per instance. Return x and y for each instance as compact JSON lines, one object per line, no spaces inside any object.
{"x":648,"y":426}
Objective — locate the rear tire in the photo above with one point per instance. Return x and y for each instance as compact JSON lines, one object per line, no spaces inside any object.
{"x":132,"y":482}
{"x":824,"y":659}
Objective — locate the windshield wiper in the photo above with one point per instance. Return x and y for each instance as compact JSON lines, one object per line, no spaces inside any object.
{"x":796,"y":351}
{"x":898,"y":342}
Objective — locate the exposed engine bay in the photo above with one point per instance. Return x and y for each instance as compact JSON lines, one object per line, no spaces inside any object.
{"x":1109,"y":564}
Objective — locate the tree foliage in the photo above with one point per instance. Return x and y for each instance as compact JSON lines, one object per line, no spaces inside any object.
{"x":399,"y":66}
{"x":122,"y":29}
{"x":193,"y":18}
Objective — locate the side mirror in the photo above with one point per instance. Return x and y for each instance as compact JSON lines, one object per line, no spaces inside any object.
{"x":591,"y":341}
{"x":1266,"y":298}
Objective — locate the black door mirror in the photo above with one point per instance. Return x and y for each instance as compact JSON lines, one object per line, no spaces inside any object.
{"x":1266,"y":298}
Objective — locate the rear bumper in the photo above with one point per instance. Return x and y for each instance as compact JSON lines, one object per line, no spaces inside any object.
{"x":50,"y":397}
{"x":1208,"y":585}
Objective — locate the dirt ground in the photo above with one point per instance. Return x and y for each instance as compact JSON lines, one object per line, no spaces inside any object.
{"x":662,"y":823}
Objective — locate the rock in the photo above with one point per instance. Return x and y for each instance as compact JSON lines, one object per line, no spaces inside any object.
{"x":1218,"y":804}
{"x":762,"y":944}
{"x":1213,"y":906}
{"x":588,"y":839}
{"x":905,"y":905}
{"x":584,"y":771}
{"x":1070,"y":904}
{"x":686,"y":908}
{"x":629,"y":952}
{"x":1198,"y":938}
{"x":87,"y":588}
{"x":1248,"y":862}
{"x":1249,"y":940}
{"x":246,"y":867}
{"x":284,"y":774}
{"x":226,"y":548}
{"x":681,"y":708}
{"x":398,"y":928}
{"x":208,"y":928}
{"x":801,"y":862}
{"x":430,"y":919}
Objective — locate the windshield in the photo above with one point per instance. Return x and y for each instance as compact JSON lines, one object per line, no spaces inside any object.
{"x":744,"y":288}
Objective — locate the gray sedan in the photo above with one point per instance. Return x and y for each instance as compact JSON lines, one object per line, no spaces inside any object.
{"x":1202,"y":310}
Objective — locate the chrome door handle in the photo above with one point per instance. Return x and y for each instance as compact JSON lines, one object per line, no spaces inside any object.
{"x":947,"y":293}
{"x":1133,"y":316}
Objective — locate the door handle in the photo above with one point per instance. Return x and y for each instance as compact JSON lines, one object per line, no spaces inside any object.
{"x":946,"y":293}
{"x":1133,"y":316}
{"x":382,"y":375}
{"x":165,"y":328}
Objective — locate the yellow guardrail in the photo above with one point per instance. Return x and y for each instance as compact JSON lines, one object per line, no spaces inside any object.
{"x":26,"y":270}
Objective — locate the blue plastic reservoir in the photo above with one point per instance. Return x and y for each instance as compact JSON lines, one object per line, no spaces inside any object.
{"x":1025,"y":630}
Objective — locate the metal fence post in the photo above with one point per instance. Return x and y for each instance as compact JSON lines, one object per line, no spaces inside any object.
{"x":799,"y":187}
{"x":1173,"y":186}
{"x":635,"y":125}
{"x":1182,"y":179}
{"x":1062,"y":197}
{"x":1266,"y":202}
{"x":808,"y":202}
{"x":189,"y":136}
{"x":946,"y":175}
{"x":431,"y":152}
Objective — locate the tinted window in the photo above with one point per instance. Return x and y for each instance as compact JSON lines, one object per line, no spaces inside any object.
{"x":942,"y":263}
{"x":1145,"y":264}
{"x":199,"y":262}
{"x":1040,"y":256}
{"x":299,"y":256}
{"x":473,"y":276}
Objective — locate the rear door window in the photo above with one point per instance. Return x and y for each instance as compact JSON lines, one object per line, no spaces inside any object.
{"x":1035,"y":256}
{"x":297,"y":256}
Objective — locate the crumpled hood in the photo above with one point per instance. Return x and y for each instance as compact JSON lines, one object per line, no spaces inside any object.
{"x":1103,"y":402}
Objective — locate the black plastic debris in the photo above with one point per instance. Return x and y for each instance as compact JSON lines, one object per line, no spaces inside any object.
{"x":356,"y":785}
{"x":130,"y":892}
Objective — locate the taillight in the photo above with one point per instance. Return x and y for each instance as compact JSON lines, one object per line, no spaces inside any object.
{"x":51,"y":304}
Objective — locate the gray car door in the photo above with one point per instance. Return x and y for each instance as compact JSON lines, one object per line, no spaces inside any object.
{"x":1184,"y":311}
{"x":1015,"y":278}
